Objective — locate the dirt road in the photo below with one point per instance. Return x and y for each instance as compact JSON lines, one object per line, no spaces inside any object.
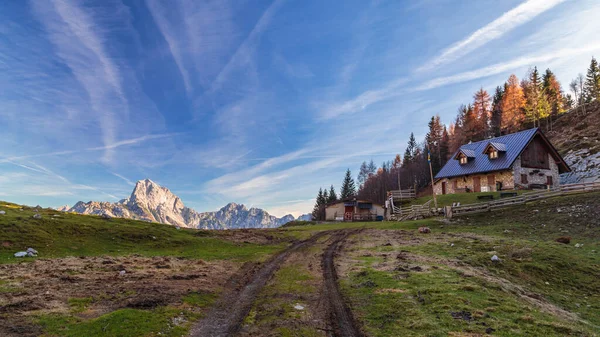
{"x":340,"y":316}
{"x":226,"y":317}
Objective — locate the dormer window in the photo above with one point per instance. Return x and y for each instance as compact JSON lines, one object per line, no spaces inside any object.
{"x":464,"y":155}
{"x":493,"y":154}
{"x":493,"y":149}
{"x":463,"y":160}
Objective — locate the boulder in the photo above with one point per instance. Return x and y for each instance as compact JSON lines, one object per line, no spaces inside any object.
{"x":424,"y":230}
{"x":2,"y":212}
{"x":37,"y":216}
{"x":564,"y":239}
{"x":32,"y":251}
{"x":495,"y":258}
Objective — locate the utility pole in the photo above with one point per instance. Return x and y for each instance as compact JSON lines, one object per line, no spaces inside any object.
{"x":431,"y":173}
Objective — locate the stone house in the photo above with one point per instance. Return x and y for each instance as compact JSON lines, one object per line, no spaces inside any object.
{"x":353,"y":210}
{"x":524,"y":159}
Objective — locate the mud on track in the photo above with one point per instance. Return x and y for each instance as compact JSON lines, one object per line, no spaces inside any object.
{"x":340,"y":316}
{"x":226,"y":317}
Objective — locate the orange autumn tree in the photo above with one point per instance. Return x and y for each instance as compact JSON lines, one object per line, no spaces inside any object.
{"x":513,"y":103}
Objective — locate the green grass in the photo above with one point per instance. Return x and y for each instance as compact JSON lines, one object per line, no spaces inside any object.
{"x":463,"y":198}
{"x":200,"y":299}
{"x":80,"y":304}
{"x":524,"y":238}
{"x":119,"y":323}
{"x":84,"y":235}
{"x":389,"y":305}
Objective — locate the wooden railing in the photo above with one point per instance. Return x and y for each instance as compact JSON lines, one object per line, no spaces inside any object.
{"x":452,"y":211}
{"x":403,"y":194}
{"x":416,"y":211}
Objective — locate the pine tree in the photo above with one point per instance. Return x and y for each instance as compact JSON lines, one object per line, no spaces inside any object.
{"x":348,"y":189}
{"x":513,"y":103}
{"x":372,"y":168}
{"x":554,"y":95}
{"x":325,"y":196}
{"x":409,"y":154}
{"x":433,"y":139}
{"x":444,"y":146}
{"x":316,"y":213}
{"x":496,"y":119}
{"x":536,"y":104}
{"x":481,"y":110}
{"x":363,"y":173}
{"x":332,"y":195}
{"x":470,"y":124}
{"x":592,"y":82}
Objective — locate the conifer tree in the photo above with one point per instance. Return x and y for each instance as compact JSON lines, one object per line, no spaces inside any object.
{"x":536,"y":104}
{"x":316,"y":213}
{"x":554,"y":95}
{"x":325,"y":196}
{"x":348,"y":189}
{"x":332,"y":195}
{"x":363,"y":173}
{"x":372,"y":168}
{"x":411,"y":147}
{"x":481,"y":110}
{"x":470,"y":124}
{"x":513,"y":103}
{"x":496,"y":119}
{"x":592,"y":82}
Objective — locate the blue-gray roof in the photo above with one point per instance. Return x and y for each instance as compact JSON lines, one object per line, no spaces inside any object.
{"x":513,"y":143}
{"x":498,"y":146}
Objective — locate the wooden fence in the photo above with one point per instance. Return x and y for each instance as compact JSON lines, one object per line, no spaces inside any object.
{"x":403,"y":194}
{"x":452,"y":211}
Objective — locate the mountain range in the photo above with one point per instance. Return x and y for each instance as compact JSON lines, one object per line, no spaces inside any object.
{"x":154,"y":203}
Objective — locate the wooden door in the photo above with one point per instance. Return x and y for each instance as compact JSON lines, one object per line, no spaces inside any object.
{"x":348,"y":213}
{"x":491,"y":181}
{"x":476,"y":184}
{"x":549,"y":181}
{"x":444,"y":187}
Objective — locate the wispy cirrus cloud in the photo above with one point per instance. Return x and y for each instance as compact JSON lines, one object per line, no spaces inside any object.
{"x":499,"y":68}
{"x":129,"y":182}
{"x":80,"y":43}
{"x":510,"y":20}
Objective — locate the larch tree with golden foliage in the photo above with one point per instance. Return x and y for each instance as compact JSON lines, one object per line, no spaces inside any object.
{"x":513,"y":103}
{"x":481,"y":110}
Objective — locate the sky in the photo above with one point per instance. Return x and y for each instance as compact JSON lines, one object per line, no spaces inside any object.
{"x":255,"y":102}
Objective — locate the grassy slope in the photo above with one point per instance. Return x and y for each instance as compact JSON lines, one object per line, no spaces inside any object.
{"x":79,"y":235}
{"x":463,"y":198}
{"x":523,"y":237}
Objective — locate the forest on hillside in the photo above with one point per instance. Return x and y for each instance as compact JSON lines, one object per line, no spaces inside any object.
{"x":536,"y":100}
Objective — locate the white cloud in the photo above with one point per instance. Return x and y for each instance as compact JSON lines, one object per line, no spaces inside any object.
{"x":510,"y":20}
{"x":525,"y":61}
{"x":129,"y":182}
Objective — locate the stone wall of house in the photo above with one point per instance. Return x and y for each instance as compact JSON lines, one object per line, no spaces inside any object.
{"x":534,"y":175}
{"x":462,"y":182}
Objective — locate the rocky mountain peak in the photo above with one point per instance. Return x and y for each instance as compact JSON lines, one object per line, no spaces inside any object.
{"x":152,"y":202}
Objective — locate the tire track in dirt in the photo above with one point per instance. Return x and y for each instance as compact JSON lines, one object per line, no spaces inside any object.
{"x":227,"y":316}
{"x":340,"y":316}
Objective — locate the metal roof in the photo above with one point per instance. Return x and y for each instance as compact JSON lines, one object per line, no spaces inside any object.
{"x":514,"y":144}
{"x":498,"y":146}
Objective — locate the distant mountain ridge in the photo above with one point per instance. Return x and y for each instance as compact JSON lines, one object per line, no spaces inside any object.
{"x":154,"y":203}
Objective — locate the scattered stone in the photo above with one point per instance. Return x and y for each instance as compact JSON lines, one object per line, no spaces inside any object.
{"x":56,"y":216}
{"x":564,"y":239}
{"x":32,"y":251}
{"x":298,"y":307}
{"x":37,"y":216}
{"x":105,"y":216}
{"x":547,"y":283}
{"x":465,"y":315}
{"x":2,"y":212}
{"x":578,"y":245}
{"x":489,"y":330}
{"x":153,"y":237}
{"x":451,"y":245}
{"x":506,"y":231}
{"x":20,"y":254}
{"x":177,"y":227}
{"x":424,"y":230}
{"x":122,"y":273}
{"x":495,"y":258}
{"x":387,"y":244}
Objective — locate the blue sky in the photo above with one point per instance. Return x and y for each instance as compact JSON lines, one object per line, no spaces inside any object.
{"x":257,"y":102}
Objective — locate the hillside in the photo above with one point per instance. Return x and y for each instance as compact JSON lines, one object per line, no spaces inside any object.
{"x":118,"y":277}
{"x":577,"y":137}
{"x":151,"y":202}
